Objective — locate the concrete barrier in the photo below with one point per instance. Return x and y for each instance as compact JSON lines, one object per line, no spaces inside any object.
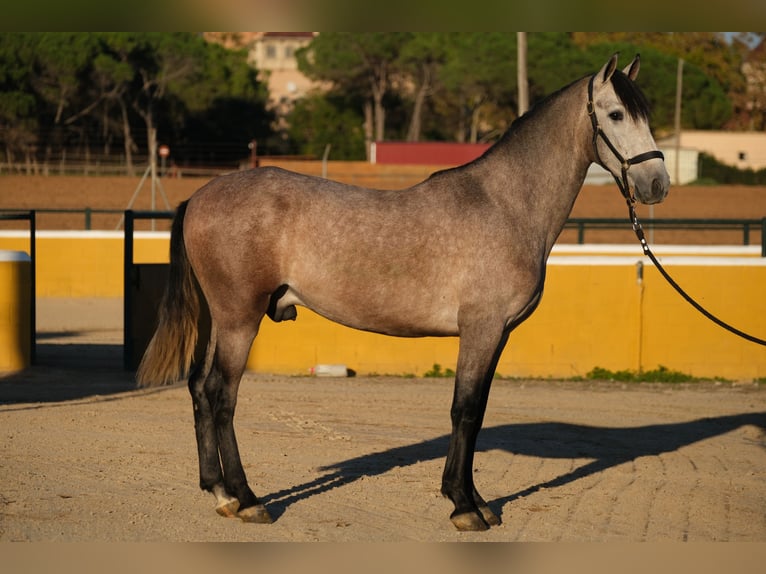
{"x":15,"y":311}
{"x":595,"y":312}
{"x":85,"y":263}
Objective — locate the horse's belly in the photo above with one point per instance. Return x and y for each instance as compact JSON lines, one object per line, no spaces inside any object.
{"x":395,"y":314}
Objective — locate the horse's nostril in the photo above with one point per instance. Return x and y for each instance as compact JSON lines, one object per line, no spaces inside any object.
{"x":657,"y":187}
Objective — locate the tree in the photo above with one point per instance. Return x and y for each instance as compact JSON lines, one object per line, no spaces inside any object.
{"x":62,"y":64}
{"x":479,"y":77}
{"x":18,"y":104}
{"x":226,"y":110}
{"x":171,"y":80}
{"x":753,"y":107}
{"x":112,"y":77}
{"x":713,"y":81}
{"x":420,"y":61}
{"x":65,"y":89}
{"x":356,"y":63}
{"x":164,"y":65}
{"x":318,"y":121}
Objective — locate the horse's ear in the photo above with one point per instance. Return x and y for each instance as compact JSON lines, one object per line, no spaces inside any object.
{"x":606,"y":72}
{"x":631,"y":70}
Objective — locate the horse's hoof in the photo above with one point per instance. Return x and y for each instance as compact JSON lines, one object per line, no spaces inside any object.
{"x":469,"y":522}
{"x":489,"y":517}
{"x":228,"y":508}
{"x":257,"y":514}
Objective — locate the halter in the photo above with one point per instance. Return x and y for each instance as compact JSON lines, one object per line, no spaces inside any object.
{"x":625,"y":163}
{"x":639,"y":231}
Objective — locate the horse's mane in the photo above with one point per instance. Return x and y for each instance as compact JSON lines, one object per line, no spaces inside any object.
{"x":636,"y":104}
{"x":629,"y":93}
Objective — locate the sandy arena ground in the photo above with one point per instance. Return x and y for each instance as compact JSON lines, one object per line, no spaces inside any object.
{"x":84,"y":457}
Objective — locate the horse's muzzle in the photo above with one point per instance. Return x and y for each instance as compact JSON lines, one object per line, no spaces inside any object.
{"x":652,"y":190}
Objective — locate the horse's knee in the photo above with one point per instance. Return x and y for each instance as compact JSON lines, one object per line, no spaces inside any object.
{"x":224,"y":416}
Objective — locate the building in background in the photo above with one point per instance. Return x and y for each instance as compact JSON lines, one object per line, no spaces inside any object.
{"x":273,"y":55}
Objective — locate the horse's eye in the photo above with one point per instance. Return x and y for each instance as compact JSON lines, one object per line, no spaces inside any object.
{"x":616,"y":116}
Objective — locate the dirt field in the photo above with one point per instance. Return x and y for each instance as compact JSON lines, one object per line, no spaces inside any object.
{"x":83,"y":457}
{"x":115,"y":193}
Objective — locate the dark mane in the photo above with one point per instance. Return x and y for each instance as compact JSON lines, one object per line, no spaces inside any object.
{"x":519,"y":123}
{"x":631,"y":95}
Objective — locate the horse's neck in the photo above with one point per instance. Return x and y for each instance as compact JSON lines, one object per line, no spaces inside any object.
{"x":540,"y":169}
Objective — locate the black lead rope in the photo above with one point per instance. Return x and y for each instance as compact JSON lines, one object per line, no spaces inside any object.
{"x":648,"y":252}
{"x":625,"y":189}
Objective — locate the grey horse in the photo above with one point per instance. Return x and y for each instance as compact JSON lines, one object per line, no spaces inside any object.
{"x":462,"y":253}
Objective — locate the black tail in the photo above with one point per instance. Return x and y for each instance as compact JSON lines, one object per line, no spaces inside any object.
{"x":171,"y":350}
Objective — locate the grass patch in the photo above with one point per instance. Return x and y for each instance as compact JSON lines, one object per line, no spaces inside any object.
{"x":659,"y":375}
{"x":436,"y":372}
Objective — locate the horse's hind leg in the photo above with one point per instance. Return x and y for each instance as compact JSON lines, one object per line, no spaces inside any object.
{"x":479,"y":353}
{"x":211,"y":475}
{"x":231,"y":353}
{"x":214,"y":394}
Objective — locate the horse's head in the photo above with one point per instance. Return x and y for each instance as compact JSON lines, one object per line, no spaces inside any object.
{"x":622,"y":140}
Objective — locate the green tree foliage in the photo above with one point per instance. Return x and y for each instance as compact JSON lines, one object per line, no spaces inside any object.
{"x":479,"y":76}
{"x":68,"y":89}
{"x":318,"y":121}
{"x":179,"y":79}
{"x":18,"y":104}
{"x":356,"y":63}
{"x":713,"y":171}
{"x":713,"y":83}
{"x":113,"y":90}
{"x":420,"y":60}
{"x":462,"y":86}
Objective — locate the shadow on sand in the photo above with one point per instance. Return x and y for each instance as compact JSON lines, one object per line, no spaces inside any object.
{"x":68,"y":368}
{"x":608,"y":447}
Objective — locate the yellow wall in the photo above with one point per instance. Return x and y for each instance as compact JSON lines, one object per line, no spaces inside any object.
{"x":85,"y":263}
{"x":594,"y":312}
{"x":590,"y":315}
{"x":15,"y":316}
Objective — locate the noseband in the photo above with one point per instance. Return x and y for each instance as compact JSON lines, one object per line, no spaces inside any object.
{"x":630,"y":200}
{"x":625,"y":163}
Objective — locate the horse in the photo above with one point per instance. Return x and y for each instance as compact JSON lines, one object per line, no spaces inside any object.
{"x":462,"y":253}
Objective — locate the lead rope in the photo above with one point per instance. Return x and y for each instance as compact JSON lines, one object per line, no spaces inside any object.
{"x":625,"y":190}
{"x":648,"y":252}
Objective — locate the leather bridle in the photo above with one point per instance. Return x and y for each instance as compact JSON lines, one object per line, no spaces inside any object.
{"x":631,"y":201}
{"x":622,"y":183}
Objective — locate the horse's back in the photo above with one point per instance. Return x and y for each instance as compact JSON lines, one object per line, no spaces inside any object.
{"x":370,"y":259}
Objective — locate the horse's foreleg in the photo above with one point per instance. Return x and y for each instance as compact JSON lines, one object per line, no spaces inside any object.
{"x":230,"y":360}
{"x":479,"y":353}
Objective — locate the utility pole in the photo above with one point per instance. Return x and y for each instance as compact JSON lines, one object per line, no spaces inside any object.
{"x":679,"y":90}
{"x":521,"y":45}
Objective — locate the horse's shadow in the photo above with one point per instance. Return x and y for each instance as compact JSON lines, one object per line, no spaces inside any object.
{"x":608,"y":447}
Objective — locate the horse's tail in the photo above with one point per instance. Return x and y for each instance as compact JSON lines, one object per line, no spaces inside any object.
{"x":170,"y":352}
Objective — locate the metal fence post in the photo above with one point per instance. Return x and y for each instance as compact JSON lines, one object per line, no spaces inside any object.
{"x":33,"y":281}
{"x":130,"y":275}
{"x":763,"y":237}
{"x":127,"y":310}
